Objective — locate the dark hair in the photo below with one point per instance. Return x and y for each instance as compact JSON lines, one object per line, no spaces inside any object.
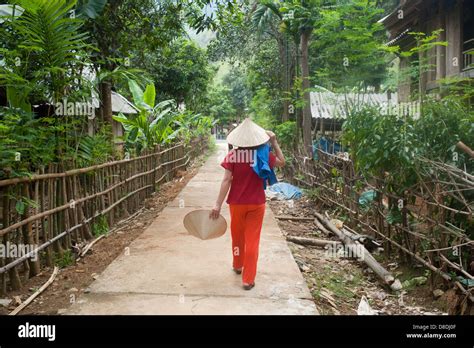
{"x":248,"y":148}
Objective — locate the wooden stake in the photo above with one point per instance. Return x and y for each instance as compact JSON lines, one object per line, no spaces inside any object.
{"x":15,"y":281}
{"x":366,"y":257}
{"x":36,"y":294}
{"x":312,"y":241}
{"x":34,"y":266}
{"x":295,"y":218}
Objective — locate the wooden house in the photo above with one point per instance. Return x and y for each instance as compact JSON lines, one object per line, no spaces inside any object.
{"x":456,"y":19}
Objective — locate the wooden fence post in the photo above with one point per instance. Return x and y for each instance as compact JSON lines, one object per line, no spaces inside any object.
{"x":15,"y":281}
{"x":34,"y":266}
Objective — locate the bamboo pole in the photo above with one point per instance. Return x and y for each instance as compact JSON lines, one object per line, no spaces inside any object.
{"x":56,"y":199}
{"x":121,"y":190}
{"x":108,"y":184}
{"x":80,"y":206}
{"x":52,"y":191}
{"x":73,"y":213}
{"x":73,"y":172}
{"x":36,"y":211}
{"x":3,"y":278}
{"x":383,"y":274}
{"x":67,"y":218}
{"x":45,"y":222}
{"x":14,"y":278}
{"x":34,"y":266}
{"x":36,"y":294}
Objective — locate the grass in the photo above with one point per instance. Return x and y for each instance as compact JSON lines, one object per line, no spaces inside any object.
{"x":337,"y":282}
{"x":65,"y":261}
{"x":100,"y":227}
{"x":312,"y":193}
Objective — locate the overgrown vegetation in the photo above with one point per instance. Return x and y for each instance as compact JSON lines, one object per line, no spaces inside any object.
{"x":66,"y":260}
{"x":72,"y":52}
{"x":100,"y":227}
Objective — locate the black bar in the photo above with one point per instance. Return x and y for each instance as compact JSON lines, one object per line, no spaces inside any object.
{"x":381,"y":331}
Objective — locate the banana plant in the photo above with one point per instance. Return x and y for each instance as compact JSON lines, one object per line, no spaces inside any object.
{"x":154,"y":123}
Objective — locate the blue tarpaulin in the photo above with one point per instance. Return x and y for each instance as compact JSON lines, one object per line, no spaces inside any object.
{"x":367,"y":198}
{"x":288,"y":191}
{"x":326,"y":145}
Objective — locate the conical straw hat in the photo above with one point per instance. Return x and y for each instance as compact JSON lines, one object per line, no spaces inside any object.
{"x":200,"y":225}
{"x":248,"y":134}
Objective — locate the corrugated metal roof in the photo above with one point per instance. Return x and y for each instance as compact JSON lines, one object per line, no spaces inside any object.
{"x":328,"y":105}
{"x":398,"y":37}
{"x":120,"y":104}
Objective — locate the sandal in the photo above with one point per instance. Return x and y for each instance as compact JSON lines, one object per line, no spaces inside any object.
{"x":248,"y":286}
{"x":237,"y":271}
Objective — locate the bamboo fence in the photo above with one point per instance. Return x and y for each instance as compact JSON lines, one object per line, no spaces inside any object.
{"x":70,"y":207}
{"x":428,"y":229}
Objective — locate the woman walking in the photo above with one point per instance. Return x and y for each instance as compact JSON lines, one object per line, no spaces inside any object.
{"x":247,"y":168}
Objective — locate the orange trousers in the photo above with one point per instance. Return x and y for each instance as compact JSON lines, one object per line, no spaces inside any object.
{"x":245,"y":226}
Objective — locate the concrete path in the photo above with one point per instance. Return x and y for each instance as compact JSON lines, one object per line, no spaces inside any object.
{"x":166,"y":271}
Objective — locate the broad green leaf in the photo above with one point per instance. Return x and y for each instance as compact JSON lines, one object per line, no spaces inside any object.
{"x":20,"y":207}
{"x":90,"y":8}
{"x":133,"y":134}
{"x":150,"y":95}
{"x":137,"y":92}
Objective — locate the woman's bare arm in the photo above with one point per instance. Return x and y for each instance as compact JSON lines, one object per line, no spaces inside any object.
{"x":225,"y":186}
{"x":280,"y":159}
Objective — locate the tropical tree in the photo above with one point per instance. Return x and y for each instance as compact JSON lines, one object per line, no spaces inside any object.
{"x":240,"y":93}
{"x":45,"y":68}
{"x":268,"y":20}
{"x":128,"y":30}
{"x":219,"y":105}
{"x":181,"y":70}
{"x":47,"y":64}
{"x":348,"y":47}
{"x":304,"y":14}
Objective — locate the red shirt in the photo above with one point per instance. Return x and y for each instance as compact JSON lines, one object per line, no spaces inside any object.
{"x":247,"y":186}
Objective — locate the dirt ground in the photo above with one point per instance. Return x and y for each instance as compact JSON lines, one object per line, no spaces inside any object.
{"x":338,"y":284}
{"x":74,"y":280}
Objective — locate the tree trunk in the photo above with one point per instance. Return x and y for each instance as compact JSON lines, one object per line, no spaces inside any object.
{"x":285,"y":78}
{"x":298,"y":113}
{"x":106,"y":102}
{"x":312,"y":241}
{"x":358,"y":250}
{"x":307,"y":119}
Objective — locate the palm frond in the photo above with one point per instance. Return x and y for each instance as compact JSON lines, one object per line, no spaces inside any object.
{"x":51,"y":40}
{"x":263,"y":15}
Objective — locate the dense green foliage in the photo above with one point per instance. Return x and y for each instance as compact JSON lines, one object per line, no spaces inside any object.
{"x":181,"y":71}
{"x":346,"y":53}
{"x":152,"y":126}
{"x":25,"y":143}
{"x":55,"y":51}
{"x":389,"y":145}
{"x":47,"y":62}
{"x":348,"y":48}
{"x":251,"y":68}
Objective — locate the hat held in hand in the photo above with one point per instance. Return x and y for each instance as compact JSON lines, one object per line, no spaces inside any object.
{"x":248,"y":134}
{"x":200,"y":225}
